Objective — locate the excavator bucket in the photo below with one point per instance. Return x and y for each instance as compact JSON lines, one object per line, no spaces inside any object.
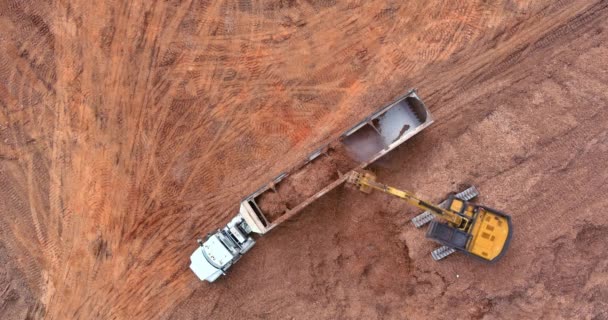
{"x":354,"y":177}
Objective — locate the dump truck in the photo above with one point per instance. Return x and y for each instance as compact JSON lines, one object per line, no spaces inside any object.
{"x":321,"y":171}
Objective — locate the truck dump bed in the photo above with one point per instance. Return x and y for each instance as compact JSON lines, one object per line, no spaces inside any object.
{"x":320,"y":172}
{"x":328,"y":167}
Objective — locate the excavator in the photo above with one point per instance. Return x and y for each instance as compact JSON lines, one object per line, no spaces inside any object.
{"x":461,"y":226}
{"x":475,"y":230}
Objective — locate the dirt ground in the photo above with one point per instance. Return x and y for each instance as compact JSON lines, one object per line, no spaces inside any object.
{"x":130,"y":128}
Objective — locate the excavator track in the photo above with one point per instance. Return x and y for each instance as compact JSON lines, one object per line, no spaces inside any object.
{"x":468,"y":194}
{"x":442,"y":252}
{"x":426,"y":217}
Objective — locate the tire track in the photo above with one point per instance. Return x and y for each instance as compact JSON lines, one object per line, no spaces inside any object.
{"x":113,"y":142}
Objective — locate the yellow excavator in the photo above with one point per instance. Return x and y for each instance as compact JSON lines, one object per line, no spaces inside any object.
{"x":476,"y":230}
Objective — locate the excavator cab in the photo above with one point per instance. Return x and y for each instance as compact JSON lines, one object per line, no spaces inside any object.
{"x":491,"y":234}
{"x":486,"y":235}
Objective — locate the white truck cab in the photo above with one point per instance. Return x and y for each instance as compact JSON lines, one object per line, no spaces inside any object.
{"x":221,"y":249}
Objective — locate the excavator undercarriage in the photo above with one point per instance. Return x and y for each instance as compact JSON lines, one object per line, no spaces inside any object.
{"x":463,"y":226}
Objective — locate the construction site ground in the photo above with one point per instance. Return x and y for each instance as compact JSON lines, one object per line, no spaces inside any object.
{"x":129,"y":129}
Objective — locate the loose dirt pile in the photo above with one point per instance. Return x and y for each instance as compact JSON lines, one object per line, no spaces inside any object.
{"x":344,"y":160}
{"x":304,"y":182}
{"x":307,"y":181}
{"x":298,"y":186}
{"x":272,"y":204}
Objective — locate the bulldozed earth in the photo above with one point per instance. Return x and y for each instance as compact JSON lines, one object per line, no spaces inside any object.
{"x":129,"y":129}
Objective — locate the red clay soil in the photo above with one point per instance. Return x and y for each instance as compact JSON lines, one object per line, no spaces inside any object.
{"x":128,"y":129}
{"x":342,"y":159}
{"x":304,"y":182}
{"x":272,"y":204}
{"x":298,"y":186}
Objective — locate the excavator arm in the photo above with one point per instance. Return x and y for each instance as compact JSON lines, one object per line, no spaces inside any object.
{"x":367,"y":182}
{"x":476,"y":230}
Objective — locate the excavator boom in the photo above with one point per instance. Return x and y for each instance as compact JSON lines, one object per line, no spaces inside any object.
{"x":476,"y":230}
{"x":366,"y":182}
